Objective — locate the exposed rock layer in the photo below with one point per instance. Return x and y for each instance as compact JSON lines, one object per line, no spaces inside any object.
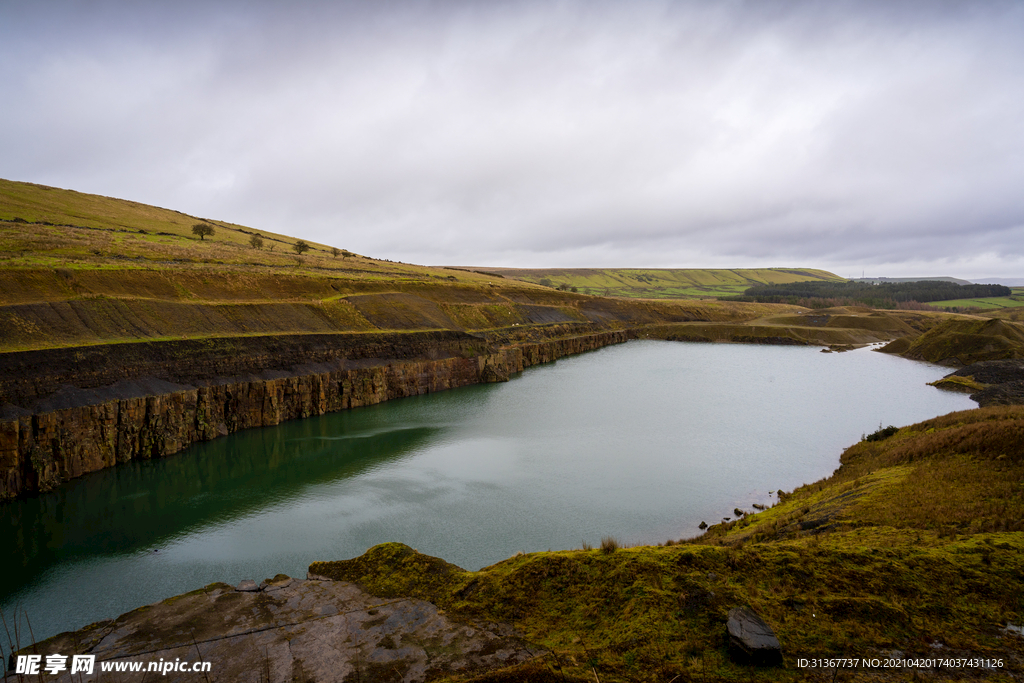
{"x":39,"y":450}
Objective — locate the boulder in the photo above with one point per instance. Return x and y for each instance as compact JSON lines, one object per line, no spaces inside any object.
{"x":247,"y":586}
{"x":295,"y":630}
{"x":751,"y":640}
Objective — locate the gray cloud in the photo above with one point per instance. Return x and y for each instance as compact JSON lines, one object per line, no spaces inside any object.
{"x":879,"y":136}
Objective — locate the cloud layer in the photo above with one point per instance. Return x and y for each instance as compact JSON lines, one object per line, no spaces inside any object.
{"x":883,"y":137}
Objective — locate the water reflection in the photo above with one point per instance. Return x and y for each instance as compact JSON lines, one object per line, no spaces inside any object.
{"x":142,"y":505}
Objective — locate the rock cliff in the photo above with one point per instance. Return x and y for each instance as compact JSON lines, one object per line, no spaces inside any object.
{"x":92,"y":429}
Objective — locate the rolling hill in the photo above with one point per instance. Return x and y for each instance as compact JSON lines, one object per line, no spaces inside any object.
{"x":662,"y":283}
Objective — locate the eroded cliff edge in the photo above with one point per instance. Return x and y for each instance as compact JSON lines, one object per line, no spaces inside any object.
{"x":152,"y":402}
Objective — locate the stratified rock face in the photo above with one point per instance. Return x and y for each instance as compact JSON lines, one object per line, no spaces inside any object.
{"x":751,"y":640}
{"x":291,"y":630}
{"x":40,"y":451}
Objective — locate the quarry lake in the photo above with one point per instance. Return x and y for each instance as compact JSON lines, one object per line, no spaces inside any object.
{"x":640,"y":441}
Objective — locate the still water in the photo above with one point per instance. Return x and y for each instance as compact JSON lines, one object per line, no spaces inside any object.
{"x":639,"y":441}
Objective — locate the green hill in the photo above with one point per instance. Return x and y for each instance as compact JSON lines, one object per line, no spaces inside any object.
{"x":662,"y":283}
{"x":80,"y":269}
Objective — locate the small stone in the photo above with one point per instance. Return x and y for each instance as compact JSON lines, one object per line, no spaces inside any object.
{"x":247,"y":586}
{"x":751,"y":640}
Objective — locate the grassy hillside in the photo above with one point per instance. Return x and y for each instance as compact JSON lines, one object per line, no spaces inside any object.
{"x":78,"y":269}
{"x":662,"y":283}
{"x":50,"y":227}
{"x":914,"y":548}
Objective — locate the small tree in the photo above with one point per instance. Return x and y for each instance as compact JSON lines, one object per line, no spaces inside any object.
{"x":335,"y":251}
{"x":202,"y":230}
{"x":300,"y":247}
{"x":256,"y":241}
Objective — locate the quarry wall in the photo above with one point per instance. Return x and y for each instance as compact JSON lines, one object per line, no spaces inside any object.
{"x":40,"y":449}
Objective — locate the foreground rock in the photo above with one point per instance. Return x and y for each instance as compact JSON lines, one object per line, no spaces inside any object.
{"x":289,"y":630}
{"x":751,"y":640}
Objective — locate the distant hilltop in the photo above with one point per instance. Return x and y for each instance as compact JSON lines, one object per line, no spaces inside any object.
{"x":880,"y":280}
{"x":660,"y":283}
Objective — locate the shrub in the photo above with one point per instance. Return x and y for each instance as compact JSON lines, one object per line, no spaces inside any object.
{"x":882,"y":433}
{"x":609,"y":544}
{"x":256,"y":241}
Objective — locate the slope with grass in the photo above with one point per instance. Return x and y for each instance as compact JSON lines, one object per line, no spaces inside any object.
{"x":662,"y":283}
{"x":77,"y":269}
{"x":961,"y":341}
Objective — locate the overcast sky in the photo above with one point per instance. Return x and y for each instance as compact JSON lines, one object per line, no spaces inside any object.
{"x":878,"y":137}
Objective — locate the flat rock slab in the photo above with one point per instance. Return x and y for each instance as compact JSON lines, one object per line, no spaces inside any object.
{"x":751,"y":640}
{"x":294,"y":630}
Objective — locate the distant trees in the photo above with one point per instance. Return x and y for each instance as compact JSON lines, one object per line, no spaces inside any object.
{"x":202,"y":230}
{"x":300,"y":247}
{"x":256,"y":241}
{"x":884,"y":295}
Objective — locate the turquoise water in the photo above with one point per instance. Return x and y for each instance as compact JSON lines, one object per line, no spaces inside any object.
{"x":640,"y":441}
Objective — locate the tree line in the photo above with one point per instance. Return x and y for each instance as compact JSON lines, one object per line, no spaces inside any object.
{"x":884,"y":295}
